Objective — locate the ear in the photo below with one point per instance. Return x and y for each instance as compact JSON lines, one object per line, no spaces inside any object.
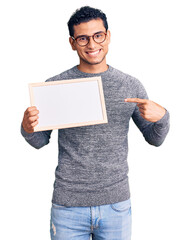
{"x":72,"y":42}
{"x":108,"y":36}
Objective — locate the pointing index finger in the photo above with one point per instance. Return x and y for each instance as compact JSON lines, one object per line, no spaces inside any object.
{"x":135,"y":100}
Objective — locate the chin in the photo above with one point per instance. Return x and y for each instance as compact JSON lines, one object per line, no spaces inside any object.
{"x":95,"y":62}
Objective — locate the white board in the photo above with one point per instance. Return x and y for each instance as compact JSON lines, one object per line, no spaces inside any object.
{"x":68,"y":103}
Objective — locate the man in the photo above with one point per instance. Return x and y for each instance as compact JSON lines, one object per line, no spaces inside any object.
{"x":91,"y":191}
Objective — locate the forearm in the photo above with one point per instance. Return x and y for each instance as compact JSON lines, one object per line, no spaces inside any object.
{"x":36,"y":139}
{"x":155,"y":133}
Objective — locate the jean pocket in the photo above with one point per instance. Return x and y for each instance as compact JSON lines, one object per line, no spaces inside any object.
{"x":121,"y":206}
{"x":58,"y":206}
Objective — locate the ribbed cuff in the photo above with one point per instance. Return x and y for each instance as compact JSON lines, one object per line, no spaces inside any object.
{"x":164,"y":120}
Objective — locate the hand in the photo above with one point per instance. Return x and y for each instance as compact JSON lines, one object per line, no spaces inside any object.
{"x":30,"y":119}
{"x":149,"y":110}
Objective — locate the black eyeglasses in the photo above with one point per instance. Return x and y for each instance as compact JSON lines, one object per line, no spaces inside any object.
{"x":83,"y":40}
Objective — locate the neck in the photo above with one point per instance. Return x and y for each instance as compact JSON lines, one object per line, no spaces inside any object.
{"x":92,"y":68}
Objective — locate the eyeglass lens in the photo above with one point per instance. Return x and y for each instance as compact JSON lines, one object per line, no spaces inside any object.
{"x":98,"y":38}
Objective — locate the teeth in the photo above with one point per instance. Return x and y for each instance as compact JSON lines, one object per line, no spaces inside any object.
{"x":93,"y":53}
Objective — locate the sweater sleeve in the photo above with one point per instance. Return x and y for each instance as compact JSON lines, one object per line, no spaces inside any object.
{"x":36,"y":139}
{"x":153,"y":132}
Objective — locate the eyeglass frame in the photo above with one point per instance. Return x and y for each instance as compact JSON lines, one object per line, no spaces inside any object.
{"x":88,"y":37}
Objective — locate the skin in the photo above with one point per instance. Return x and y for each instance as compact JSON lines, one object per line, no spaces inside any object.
{"x":30,"y":119}
{"x":91,"y":63}
{"x":92,"y":59}
{"x":148,"y":109}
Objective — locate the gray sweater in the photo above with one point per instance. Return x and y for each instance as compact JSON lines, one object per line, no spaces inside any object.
{"x":92,"y":164}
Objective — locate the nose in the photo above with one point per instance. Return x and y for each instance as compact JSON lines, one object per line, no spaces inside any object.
{"x":91,"y":43}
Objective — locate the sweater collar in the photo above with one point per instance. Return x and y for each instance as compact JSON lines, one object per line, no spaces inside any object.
{"x":84,"y":74}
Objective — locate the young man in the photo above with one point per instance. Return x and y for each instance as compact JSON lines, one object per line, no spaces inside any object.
{"x":91,"y":191}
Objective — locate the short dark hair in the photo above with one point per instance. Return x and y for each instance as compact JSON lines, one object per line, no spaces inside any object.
{"x":85,"y":14}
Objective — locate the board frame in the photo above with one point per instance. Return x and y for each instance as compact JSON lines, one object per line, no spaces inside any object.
{"x":98,"y":81}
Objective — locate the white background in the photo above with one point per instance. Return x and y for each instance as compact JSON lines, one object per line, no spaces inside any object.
{"x":150,"y":40}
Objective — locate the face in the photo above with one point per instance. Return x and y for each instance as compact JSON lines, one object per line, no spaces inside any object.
{"x":93,"y":53}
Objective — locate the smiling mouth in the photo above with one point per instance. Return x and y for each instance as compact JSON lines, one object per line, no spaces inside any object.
{"x":93,"y":53}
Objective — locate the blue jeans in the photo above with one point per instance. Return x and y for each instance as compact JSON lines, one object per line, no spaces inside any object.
{"x":105,"y":222}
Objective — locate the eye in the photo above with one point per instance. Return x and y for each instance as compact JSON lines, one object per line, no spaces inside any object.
{"x":82,"y":39}
{"x":98,"y":35}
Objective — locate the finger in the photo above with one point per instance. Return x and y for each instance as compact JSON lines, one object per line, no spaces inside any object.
{"x":135,"y":100}
{"x":32,"y":119}
{"x":30,"y":127}
{"x":29,"y":109}
{"x":141,"y":106}
{"x":32,"y":113}
{"x":143,"y":116}
{"x":142,"y":111}
{"x":34,"y":124}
